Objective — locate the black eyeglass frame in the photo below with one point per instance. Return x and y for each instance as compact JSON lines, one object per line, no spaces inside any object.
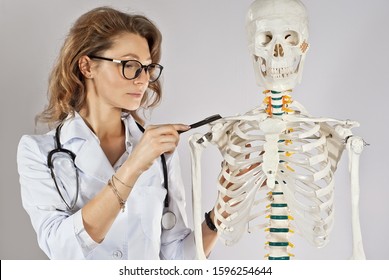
{"x":124,"y":62}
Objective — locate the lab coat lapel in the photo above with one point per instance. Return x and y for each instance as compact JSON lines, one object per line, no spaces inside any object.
{"x":90,"y":157}
{"x":92,"y":161}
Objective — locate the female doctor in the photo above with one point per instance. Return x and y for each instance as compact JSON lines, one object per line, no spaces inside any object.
{"x":95,"y":186}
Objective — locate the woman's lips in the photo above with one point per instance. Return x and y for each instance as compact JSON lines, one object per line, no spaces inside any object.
{"x":136,"y":94}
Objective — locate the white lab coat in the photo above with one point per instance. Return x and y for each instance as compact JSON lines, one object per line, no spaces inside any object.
{"x":135,"y":234}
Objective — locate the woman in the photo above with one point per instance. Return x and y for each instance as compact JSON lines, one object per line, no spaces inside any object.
{"x":94,"y":187}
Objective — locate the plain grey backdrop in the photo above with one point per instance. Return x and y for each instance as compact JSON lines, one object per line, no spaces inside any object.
{"x":208,"y":71}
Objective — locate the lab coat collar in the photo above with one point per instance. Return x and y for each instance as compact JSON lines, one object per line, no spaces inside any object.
{"x":76,"y":128}
{"x":90,"y":157}
{"x":133,"y":134}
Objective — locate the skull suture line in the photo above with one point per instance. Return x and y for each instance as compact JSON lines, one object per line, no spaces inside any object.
{"x":278,"y":147}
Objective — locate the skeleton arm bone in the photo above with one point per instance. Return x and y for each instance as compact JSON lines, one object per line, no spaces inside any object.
{"x":197,"y":144}
{"x":354,"y":146}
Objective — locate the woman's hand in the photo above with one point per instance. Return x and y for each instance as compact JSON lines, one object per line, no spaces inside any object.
{"x":156,"y":140}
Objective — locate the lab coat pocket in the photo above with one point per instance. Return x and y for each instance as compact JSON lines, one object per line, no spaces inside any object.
{"x":152,"y":211}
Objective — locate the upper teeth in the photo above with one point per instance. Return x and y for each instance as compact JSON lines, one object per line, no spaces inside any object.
{"x":263,"y":67}
{"x":280,"y":71}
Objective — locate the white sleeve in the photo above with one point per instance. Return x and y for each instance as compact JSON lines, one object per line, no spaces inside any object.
{"x":61,"y":234}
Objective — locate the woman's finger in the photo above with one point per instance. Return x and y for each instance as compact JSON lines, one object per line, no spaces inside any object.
{"x":167,"y":128}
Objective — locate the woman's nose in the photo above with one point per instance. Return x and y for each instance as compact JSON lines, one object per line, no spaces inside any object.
{"x":143,"y":76}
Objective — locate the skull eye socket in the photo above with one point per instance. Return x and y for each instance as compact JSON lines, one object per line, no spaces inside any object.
{"x":291,"y":38}
{"x":263,"y":38}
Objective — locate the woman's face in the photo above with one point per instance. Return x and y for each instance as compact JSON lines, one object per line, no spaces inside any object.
{"x":110,"y":86}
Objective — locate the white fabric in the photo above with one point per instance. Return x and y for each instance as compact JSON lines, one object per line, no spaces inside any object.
{"x":135,"y":234}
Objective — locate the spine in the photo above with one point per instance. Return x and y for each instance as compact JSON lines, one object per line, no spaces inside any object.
{"x":277,"y":102}
{"x":279,"y":230}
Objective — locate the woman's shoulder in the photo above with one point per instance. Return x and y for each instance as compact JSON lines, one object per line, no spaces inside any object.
{"x":40,"y":139}
{"x":36,"y":143}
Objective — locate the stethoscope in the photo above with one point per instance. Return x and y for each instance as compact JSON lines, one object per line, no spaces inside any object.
{"x":168,"y":220}
{"x":58,"y":150}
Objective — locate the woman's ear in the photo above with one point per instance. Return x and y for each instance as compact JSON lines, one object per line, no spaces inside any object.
{"x":84,"y":63}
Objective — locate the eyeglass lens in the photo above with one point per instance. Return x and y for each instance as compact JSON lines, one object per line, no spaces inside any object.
{"x":132,"y":69}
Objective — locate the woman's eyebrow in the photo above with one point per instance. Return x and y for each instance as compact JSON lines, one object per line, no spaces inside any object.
{"x":135,"y":56}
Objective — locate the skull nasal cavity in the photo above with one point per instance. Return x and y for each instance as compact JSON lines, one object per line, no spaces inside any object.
{"x":278,"y":51}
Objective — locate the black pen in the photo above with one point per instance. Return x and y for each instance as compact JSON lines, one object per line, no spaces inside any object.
{"x":201,"y":123}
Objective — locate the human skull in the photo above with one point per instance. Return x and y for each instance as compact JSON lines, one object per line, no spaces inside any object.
{"x":277,"y":34}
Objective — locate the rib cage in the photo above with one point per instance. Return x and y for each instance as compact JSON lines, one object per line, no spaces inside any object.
{"x":296,"y":158}
{"x":280,"y":149}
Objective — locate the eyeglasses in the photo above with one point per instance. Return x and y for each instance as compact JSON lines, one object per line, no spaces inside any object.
{"x":131,"y":69}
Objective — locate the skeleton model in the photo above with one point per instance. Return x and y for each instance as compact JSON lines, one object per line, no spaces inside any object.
{"x":277,"y":156}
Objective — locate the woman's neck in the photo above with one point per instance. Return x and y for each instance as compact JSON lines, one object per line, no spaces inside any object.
{"x":109,"y":129}
{"x":105,"y":124}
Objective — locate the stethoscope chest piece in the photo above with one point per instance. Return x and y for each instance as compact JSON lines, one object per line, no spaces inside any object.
{"x":169,"y":220}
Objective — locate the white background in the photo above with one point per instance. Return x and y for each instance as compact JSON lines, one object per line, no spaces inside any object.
{"x":208,"y":71}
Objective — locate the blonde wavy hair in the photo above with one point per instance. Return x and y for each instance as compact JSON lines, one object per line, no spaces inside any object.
{"x":91,"y":34}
